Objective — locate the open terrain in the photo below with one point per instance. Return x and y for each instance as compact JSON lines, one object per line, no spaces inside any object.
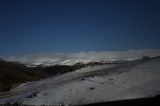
{"x":128,"y":80}
{"x":13,"y":74}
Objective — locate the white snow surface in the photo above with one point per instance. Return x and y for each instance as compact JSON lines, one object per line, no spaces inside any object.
{"x":94,"y":68}
{"x":141,"y":81}
{"x":137,"y":81}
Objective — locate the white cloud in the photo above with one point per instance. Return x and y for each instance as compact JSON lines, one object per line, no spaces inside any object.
{"x":59,"y":58}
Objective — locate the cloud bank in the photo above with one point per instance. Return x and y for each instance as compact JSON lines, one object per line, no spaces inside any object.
{"x":71,"y":58}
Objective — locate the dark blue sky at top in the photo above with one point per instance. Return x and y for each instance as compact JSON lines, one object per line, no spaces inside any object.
{"x":38,"y":26}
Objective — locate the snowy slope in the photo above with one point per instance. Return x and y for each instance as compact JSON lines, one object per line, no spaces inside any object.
{"x":93,"y":84}
{"x":140,"y":81}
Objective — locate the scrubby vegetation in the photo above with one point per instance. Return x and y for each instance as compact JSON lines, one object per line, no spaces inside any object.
{"x":13,"y":73}
{"x":60,"y":69}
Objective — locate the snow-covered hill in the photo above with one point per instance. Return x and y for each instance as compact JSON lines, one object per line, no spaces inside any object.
{"x":135,"y":79}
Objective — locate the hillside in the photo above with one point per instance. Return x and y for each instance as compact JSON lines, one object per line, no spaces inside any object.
{"x":109,"y":82}
{"x":137,"y":79}
{"x":13,"y":73}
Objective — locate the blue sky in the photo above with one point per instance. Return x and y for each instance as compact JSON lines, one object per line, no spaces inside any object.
{"x":46,"y":26}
